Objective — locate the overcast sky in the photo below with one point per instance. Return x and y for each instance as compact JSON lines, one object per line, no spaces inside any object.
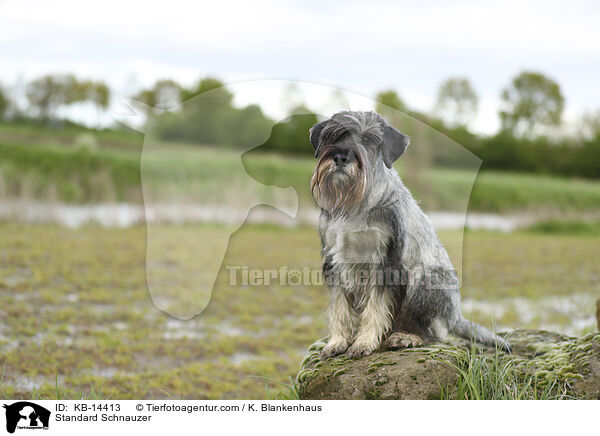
{"x":408,"y":46}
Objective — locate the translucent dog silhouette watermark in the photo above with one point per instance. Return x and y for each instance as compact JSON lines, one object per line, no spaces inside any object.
{"x":199,"y":194}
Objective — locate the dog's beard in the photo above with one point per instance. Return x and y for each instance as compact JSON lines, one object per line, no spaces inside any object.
{"x":338,"y":189}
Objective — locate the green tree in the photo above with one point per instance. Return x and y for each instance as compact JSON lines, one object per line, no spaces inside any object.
{"x":207,"y":116}
{"x":291,"y":97}
{"x":389,"y":99}
{"x":164,"y":94}
{"x":97,"y":93}
{"x":590,"y":125}
{"x":456,"y":101}
{"x":4,"y":104}
{"x":291,"y":135}
{"x":205,"y":85}
{"x":251,"y":126}
{"x":46,"y":94}
{"x":532,"y":103}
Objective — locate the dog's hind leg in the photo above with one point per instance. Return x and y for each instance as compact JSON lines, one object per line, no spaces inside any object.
{"x":399,"y":340}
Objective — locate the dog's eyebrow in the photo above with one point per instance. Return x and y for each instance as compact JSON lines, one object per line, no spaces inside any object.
{"x":334,"y":131}
{"x":374,"y":133}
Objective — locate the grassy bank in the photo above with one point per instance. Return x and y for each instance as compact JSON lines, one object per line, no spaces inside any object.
{"x":67,"y":134}
{"x":77,"y":313}
{"x":105,"y":174}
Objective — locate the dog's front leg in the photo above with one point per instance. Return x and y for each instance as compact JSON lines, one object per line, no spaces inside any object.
{"x":341,"y":316}
{"x":375,"y":322}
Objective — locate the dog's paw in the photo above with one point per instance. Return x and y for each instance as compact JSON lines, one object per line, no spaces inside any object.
{"x":333,"y":349}
{"x":360,"y":349}
{"x":403,"y":340}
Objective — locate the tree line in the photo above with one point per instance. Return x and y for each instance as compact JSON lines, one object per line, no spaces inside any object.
{"x":529,"y":139}
{"x":49,"y":93}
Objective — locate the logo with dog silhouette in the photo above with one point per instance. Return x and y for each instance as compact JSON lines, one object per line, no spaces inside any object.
{"x":26,"y":415}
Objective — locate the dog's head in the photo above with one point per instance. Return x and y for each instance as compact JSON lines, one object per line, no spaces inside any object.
{"x":354,"y":150}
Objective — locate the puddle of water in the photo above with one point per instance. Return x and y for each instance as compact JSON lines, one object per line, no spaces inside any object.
{"x":8,"y":344}
{"x":26,"y":384}
{"x":20,"y":275}
{"x":229,"y":330}
{"x":477,"y":221}
{"x":29,"y":384}
{"x":120,"y":215}
{"x":578,"y":309}
{"x":107,"y":371}
{"x":183,"y":329}
{"x":72,"y":298}
{"x":241,"y":357}
{"x":178,"y":334}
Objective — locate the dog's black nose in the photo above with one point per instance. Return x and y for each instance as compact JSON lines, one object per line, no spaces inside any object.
{"x":342,"y":157}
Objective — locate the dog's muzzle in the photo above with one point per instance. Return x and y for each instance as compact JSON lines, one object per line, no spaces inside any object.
{"x":343,"y":156}
{"x":339,"y":179}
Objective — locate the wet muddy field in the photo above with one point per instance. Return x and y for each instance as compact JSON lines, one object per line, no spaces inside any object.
{"x":78,"y":319}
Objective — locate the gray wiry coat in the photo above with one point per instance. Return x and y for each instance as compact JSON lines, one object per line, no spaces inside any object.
{"x":412,"y":294}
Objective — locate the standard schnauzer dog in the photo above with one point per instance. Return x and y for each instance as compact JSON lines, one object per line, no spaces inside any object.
{"x":389,"y":276}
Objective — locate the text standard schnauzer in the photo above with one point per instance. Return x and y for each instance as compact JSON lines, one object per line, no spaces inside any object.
{"x":371,"y":226}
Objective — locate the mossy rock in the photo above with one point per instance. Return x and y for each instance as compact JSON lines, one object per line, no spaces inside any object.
{"x":429,"y":372}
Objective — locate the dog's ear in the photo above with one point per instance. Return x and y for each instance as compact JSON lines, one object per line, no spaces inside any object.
{"x":315,"y":135}
{"x":394,"y":144}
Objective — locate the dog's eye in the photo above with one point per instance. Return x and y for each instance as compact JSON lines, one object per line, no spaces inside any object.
{"x":367,"y":139}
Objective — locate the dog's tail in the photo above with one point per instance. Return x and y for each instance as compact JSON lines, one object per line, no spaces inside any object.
{"x":474,"y":332}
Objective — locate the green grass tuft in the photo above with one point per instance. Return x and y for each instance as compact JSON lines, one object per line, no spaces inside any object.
{"x":484,"y":377}
{"x":284,"y":391}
